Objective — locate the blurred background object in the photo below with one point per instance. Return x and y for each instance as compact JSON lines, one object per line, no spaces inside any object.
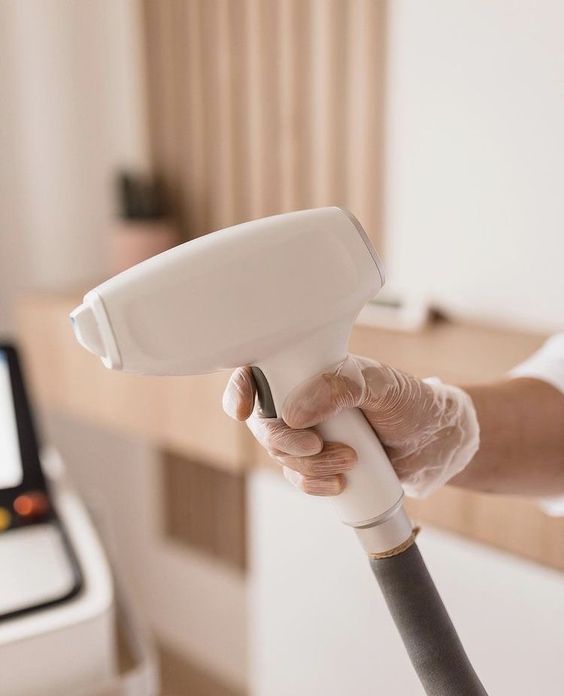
{"x":72,"y":115}
{"x":439,"y":125}
{"x":142,"y":229}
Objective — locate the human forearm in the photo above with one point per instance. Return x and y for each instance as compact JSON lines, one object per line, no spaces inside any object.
{"x":521,"y":439}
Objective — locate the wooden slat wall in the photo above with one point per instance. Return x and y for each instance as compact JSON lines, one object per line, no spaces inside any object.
{"x":469,"y":355}
{"x":185,"y":417}
{"x":263,"y":106}
{"x":199,"y":499}
{"x":181,"y":676}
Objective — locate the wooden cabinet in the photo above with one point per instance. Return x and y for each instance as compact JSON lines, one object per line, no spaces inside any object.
{"x":184,"y":414}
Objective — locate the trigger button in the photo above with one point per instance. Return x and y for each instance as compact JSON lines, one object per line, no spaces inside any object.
{"x":266,"y":402}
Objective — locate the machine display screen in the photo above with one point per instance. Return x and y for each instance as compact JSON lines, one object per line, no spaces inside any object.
{"x":11,"y":471}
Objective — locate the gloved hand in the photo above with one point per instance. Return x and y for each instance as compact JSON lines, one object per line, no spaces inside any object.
{"x":428,"y":429}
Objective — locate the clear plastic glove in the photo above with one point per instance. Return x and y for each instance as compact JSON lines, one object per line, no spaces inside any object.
{"x":428,"y":429}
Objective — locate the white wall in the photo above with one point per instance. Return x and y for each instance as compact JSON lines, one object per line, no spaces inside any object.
{"x":72,"y":111}
{"x":320,"y":626}
{"x":475,"y":148}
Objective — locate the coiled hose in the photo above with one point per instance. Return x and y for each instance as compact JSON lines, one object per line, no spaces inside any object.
{"x":425,"y":627}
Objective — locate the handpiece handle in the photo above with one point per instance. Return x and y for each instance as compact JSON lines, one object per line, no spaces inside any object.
{"x":372,"y":499}
{"x":373,"y":490}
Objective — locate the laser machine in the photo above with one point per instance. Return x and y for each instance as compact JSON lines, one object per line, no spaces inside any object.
{"x":58,"y":608}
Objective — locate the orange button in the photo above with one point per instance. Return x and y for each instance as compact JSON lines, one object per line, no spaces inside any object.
{"x":33,"y":504}
{"x":5,"y":519}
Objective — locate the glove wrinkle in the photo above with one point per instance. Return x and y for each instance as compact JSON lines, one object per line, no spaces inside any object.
{"x":428,"y":429}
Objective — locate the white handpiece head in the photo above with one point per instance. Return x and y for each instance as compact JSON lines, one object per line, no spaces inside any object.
{"x":234,"y":297}
{"x":280,"y":294}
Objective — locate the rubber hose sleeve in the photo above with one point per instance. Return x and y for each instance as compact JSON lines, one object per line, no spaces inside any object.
{"x":425,"y":627}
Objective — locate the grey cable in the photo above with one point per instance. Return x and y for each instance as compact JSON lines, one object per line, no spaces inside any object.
{"x":414,"y":603}
{"x":425,"y":627}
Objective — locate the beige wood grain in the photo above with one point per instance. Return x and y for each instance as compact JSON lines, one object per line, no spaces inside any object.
{"x":199,"y":498}
{"x":263,"y":106}
{"x":183,"y":676}
{"x":460,"y":353}
{"x":465,"y":354}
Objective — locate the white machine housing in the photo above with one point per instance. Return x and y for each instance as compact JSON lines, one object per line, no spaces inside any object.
{"x":68,"y":647}
{"x":279,"y":293}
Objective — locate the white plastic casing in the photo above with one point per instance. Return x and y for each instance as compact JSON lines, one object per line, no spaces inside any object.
{"x":234,"y":297}
{"x":280,"y":293}
{"x":70,"y":646}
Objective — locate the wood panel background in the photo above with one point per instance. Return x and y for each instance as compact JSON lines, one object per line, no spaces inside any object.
{"x":199,"y":498}
{"x":181,"y":676}
{"x":263,"y":106}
